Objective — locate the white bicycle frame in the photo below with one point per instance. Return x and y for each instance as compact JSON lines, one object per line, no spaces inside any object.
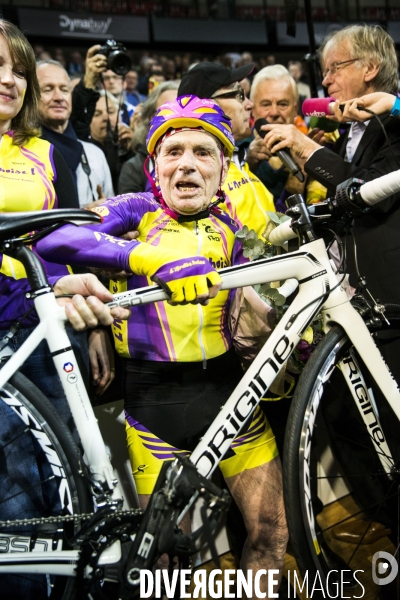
{"x":318,"y":292}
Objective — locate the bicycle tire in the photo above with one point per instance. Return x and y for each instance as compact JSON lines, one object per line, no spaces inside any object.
{"x":315,"y":525}
{"x":41,"y":470}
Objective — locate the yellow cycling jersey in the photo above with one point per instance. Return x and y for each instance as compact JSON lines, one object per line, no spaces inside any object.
{"x":155,"y":332}
{"x":247,"y":199}
{"x":26,"y":176}
{"x":189,"y":333}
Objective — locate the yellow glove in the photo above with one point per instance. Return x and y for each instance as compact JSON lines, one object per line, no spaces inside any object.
{"x":185,"y":280}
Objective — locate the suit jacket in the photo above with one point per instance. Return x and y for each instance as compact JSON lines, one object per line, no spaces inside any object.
{"x":377,"y":234}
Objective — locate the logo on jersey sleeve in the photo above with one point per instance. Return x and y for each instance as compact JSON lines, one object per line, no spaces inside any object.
{"x":106,"y":237}
{"x":101,"y":210}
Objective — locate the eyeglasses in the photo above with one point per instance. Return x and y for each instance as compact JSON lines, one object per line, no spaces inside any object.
{"x":336,"y":66}
{"x":238,"y":94}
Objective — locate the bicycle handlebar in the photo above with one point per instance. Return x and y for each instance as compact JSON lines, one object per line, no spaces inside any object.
{"x":231,"y":279}
{"x":282,"y":234}
{"x":352,"y":197}
{"x":377,"y":190}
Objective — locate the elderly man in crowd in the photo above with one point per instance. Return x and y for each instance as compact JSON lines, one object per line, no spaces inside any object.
{"x":356,"y":61}
{"x":86,"y":163}
{"x":247,"y":199}
{"x":275,"y":97}
{"x":179,"y":364}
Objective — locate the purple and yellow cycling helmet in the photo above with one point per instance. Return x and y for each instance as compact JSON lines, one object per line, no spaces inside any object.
{"x":190,"y":112}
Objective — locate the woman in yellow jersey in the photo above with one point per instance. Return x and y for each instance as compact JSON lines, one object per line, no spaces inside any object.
{"x":33,"y":176}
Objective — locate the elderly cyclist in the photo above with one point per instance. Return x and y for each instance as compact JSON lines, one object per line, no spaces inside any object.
{"x":178,"y":361}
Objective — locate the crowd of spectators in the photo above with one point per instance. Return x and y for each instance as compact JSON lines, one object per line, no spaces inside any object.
{"x":83,"y":104}
{"x":112,"y":111}
{"x":161,"y":67}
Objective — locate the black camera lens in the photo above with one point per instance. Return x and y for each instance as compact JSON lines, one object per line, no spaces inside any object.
{"x":117,"y":57}
{"x":119,"y":62}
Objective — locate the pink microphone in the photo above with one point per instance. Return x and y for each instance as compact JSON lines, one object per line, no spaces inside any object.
{"x":318,"y":107}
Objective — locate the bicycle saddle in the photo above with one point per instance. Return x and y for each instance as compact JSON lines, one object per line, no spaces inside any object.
{"x":19,"y":223}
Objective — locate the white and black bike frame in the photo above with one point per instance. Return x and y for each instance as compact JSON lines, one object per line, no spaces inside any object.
{"x":318,"y":292}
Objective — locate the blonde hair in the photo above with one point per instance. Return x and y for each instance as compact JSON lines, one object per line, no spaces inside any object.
{"x":274,"y":73}
{"x":370,"y":44}
{"x":25,"y":123}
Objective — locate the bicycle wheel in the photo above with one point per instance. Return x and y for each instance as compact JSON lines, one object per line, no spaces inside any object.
{"x":40,"y":476}
{"x":341,"y":506}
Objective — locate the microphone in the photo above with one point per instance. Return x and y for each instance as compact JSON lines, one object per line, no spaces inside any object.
{"x":318,"y":107}
{"x":284,"y":155}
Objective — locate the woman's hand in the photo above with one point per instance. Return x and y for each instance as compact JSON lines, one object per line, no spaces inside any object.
{"x":88,"y":311}
{"x":101,"y":356}
{"x":125,"y":135}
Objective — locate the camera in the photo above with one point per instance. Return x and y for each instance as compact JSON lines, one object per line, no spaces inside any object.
{"x":117,"y":57}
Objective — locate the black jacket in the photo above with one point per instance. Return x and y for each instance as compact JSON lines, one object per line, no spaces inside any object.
{"x":378,"y":233}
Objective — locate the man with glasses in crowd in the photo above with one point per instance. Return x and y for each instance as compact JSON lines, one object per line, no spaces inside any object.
{"x":247,"y":199}
{"x":356,"y":61}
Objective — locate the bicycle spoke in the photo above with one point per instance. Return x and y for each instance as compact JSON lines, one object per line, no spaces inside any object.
{"x":28,"y":489}
{"x":13,"y":440}
{"x":371,"y":521}
{"x":356,"y":443}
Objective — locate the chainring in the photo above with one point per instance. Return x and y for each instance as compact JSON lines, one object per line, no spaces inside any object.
{"x":96,"y":540}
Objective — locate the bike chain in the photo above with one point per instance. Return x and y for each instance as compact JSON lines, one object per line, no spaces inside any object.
{"x":62,"y":519}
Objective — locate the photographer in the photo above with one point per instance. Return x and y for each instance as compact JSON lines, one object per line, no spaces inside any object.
{"x":99,"y":59}
{"x":85,"y":97}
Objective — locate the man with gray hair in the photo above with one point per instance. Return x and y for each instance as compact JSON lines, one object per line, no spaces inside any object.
{"x":86,"y":163}
{"x":356,"y":61}
{"x":275,"y":97}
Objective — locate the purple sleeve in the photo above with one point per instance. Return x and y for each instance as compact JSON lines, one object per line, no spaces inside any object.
{"x":237,"y":254}
{"x":13,"y":301}
{"x":99,"y":245}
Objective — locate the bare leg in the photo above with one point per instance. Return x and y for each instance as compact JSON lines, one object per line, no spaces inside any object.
{"x":258,"y":492}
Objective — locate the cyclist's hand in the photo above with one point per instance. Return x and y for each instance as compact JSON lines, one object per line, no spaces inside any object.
{"x":101,"y":355}
{"x":91,"y":310}
{"x":189,"y":280}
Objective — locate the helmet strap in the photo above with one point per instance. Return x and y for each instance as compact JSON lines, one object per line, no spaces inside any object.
{"x":220,"y":193}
